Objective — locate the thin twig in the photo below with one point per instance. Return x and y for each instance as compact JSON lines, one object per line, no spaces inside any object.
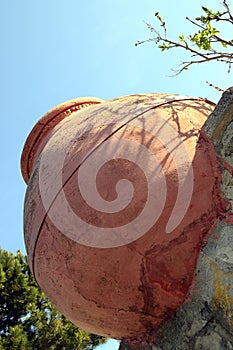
{"x":228,"y":10}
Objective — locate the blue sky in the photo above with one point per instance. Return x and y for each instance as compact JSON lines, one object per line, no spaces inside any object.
{"x":54,"y":50}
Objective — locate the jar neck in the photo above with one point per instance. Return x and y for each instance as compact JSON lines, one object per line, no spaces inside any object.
{"x":41,"y":132}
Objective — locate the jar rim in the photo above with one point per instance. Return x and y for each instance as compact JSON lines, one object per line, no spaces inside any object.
{"x":45,"y":124}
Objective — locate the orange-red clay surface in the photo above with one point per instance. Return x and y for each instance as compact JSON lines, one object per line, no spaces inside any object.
{"x":122,"y":290}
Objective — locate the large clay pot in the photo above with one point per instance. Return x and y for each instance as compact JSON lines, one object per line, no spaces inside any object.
{"x":121,"y":198}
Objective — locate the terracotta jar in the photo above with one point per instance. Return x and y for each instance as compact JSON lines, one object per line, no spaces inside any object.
{"x":121,"y":197}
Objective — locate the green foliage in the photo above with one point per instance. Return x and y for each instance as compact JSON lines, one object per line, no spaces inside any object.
{"x":209,"y":15}
{"x":28,"y":321}
{"x":204,"y":38}
{"x":206,"y":44}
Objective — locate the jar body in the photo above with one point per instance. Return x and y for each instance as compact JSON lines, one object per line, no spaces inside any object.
{"x":120,"y":201}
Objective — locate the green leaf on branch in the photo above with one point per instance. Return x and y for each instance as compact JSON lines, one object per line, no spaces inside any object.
{"x":182,"y":38}
{"x":164,"y":47}
{"x":206,"y":44}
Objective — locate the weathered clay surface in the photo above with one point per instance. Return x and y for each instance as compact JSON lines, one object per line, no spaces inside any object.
{"x":206,"y":320}
{"x":126,"y":290}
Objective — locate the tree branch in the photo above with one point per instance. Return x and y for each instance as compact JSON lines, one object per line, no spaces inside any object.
{"x":218,"y":39}
{"x":228,"y":10}
{"x":202,"y":44}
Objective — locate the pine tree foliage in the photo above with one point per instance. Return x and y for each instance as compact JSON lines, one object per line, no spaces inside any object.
{"x":28,"y":321}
